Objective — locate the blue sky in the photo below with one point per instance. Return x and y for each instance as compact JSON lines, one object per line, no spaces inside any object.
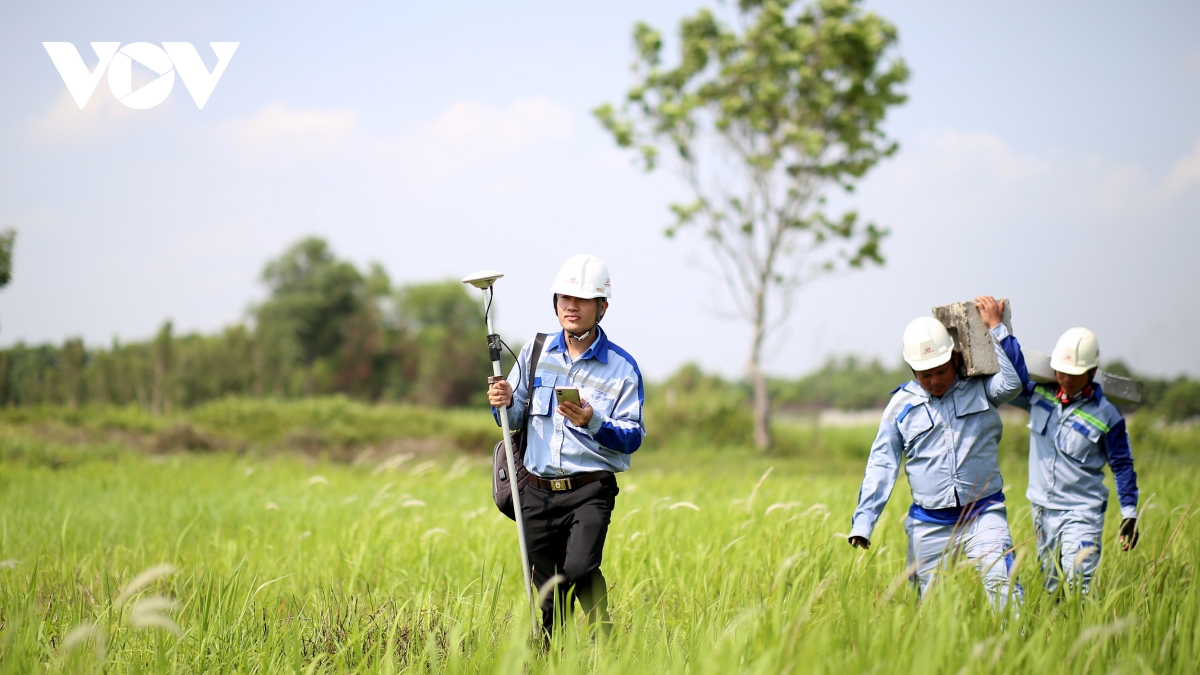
{"x":1049,"y":154}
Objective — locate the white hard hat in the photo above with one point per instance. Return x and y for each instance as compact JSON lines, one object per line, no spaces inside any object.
{"x":1076,"y":352}
{"x":927,"y":344}
{"x":583,"y":276}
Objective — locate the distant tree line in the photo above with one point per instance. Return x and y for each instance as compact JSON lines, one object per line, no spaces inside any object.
{"x":326,"y":327}
{"x":854,"y":384}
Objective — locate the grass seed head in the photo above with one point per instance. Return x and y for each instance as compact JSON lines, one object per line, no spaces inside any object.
{"x":148,"y":613}
{"x":143,"y":580}
{"x":80,"y":634}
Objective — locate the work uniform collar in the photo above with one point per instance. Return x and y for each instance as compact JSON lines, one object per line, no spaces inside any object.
{"x":1088,"y":393}
{"x":598,"y":350}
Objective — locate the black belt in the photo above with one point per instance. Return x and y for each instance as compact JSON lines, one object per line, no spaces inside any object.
{"x":568,"y":482}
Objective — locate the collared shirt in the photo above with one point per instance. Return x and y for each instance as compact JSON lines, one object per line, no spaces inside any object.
{"x":949,"y":444}
{"x":608,"y":379}
{"x":1069,"y":446}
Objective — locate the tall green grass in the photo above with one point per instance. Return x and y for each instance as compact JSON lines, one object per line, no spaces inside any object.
{"x":720,"y":560}
{"x":333,"y":425}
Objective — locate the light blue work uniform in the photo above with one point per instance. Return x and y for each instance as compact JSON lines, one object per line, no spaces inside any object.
{"x":608,"y":379}
{"x":950,"y":450}
{"x":1068,"y":448}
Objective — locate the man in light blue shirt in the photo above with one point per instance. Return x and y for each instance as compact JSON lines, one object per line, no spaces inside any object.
{"x":574,"y":450}
{"x":947,"y":430}
{"x":1073,"y":432}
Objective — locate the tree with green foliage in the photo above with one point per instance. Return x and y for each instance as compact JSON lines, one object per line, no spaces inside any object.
{"x":164,"y":355}
{"x":446,"y":326}
{"x":1181,"y":401}
{"x":312,"y":294}
{"x":763,"y":119}
{"x":8,"y":238}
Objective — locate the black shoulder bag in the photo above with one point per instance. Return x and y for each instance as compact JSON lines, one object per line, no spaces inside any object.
{"x":501,"y":486}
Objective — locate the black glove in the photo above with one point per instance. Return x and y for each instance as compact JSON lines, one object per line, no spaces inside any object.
{"x":860,"y":542}
{"x":1128,"y":534}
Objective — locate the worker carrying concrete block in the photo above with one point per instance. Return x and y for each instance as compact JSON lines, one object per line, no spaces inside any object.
{"x":946,"y":427}
{"x":1073,"y":432}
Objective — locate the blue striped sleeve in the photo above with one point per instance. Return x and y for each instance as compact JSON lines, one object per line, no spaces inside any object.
{"x":1012,"y":349}
{"x":623,"y":430}
{"x":1120,"y":459}
{"x":1006,"y":384}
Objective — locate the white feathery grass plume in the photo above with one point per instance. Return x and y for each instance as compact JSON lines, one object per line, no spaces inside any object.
{"x":784,"y":565}
{"x":781,"y":506}
{"x":732,"y":543}
{"x":81,"y":634}
{"x":143,"y":580}
{"x":305,"y":534}
{"x":732,"y":627}
{"x":476,"y":513}
{"x":9,"y":564}
{"x":412,"y":503}
{"x":148,"y":613}
{"x":632,"y":487}
{"x":318,"y":478}
{"x":1017,"y":560}
{"x":383,"y":490}
{"x":423,"y":468}
{"x":816,"y":508}
{"x":271,"y":506}
{"x":392,"y":463}
{"x":458,"y":469}
{"x":433,"y":532}
{"x":363,"y":457}
{"x":350,"y":500}
{"x":627,"y":515}
{"x":683,"y":505}
{"x":754,"y":492}
{"x":1106,"y":630}
{"x":548,"y":587}
{"x":249,"y":470}
{"x":1083,"y":554}
{"x":899,"y":582}
{"x":634,"y":537}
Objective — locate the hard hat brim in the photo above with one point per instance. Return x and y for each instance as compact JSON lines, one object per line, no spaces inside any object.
{"x":576,"y":292}
{"x":929,"y":364}
{"x":1067,"y":368}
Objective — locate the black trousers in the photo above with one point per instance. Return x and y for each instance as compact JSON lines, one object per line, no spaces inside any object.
{"x":565,"y":532}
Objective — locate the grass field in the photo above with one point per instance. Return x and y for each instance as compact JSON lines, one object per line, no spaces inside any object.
{"x":283,"y":562}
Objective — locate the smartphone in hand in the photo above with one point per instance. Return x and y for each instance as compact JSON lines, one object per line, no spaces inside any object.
{"x":568,"y":394}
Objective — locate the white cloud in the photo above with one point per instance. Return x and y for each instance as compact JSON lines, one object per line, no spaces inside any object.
{"x":64,"y":122}
{"x":279,"y":133}
{"x":523,"y":124}
{"x":961,"y":174}
{"x":1185,"y":172}
{"x":472,"y":135}
{"x":465,"y":137}
{"x":948,"y":152}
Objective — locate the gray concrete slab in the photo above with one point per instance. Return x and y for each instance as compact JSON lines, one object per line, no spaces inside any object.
{"x":971,"y":336}
{"x":1120,"y":390}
